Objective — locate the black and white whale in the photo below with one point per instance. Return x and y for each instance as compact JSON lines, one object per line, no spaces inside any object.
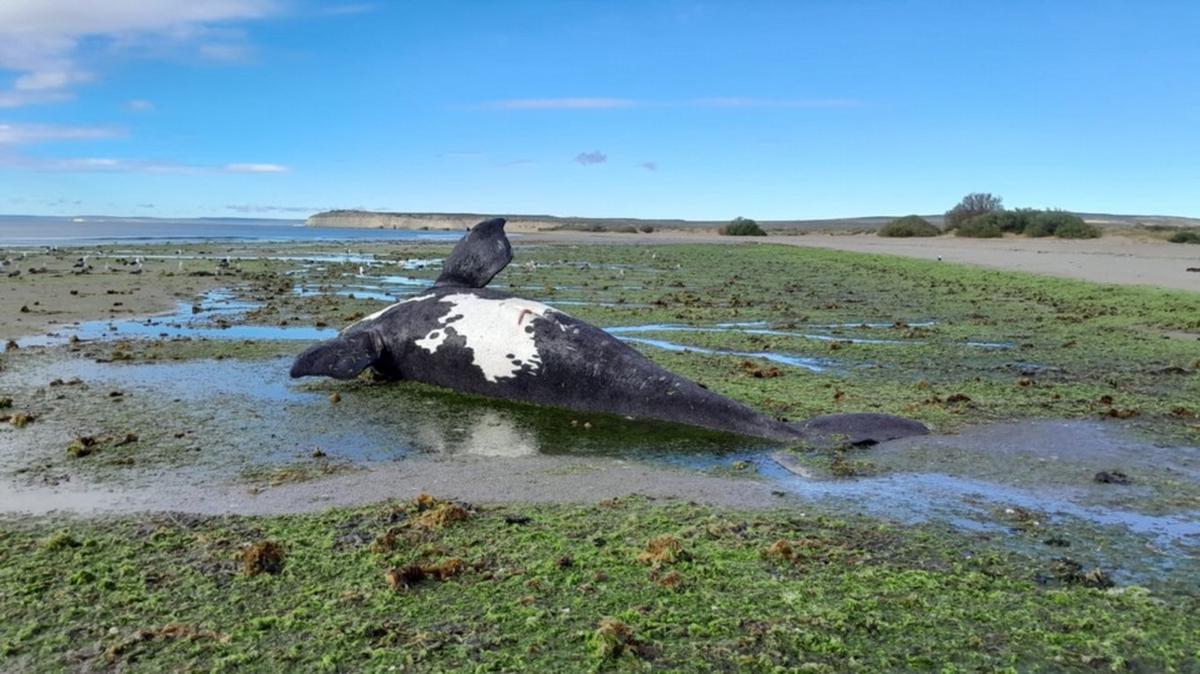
{"x":461,"y":335}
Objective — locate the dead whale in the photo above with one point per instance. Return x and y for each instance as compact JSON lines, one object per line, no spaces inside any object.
{"x":463,"y":336}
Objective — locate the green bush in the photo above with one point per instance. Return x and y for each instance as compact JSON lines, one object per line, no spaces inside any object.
{"x":979,"y":227}
{"x":972,"y":206}
{"x":909,"y":225}
{"x":1040,"y":226}
{"x":1076,"y":228}
{"x":1006,"y":221}
{"x":742,"y":227}
{"x":1185,"y":236}
{"x":1061,"y":224}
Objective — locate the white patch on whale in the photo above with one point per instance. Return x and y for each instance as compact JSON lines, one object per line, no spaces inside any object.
{"x":495,"y":330}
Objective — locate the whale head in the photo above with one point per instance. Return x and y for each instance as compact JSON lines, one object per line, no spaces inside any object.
{"x":475,"y":260}
{"x":343,"y":357}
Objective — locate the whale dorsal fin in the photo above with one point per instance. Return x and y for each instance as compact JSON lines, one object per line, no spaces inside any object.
{"x":479,"y":256}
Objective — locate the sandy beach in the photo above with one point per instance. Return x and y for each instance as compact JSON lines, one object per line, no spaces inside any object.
{"x":1112,"y":259}
{"x":1119,"y":259}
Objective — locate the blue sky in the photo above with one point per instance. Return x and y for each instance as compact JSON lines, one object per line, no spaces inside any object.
{"x":771,"y":110}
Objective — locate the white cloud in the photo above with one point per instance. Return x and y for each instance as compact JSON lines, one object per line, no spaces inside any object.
{"x":94,"y":165}
{"x":589,"y":158}
{"x":265,"y":208}
{"x":116,"y":16}
{"x":226,"y":52}
{"x":559,"y":104}
{"x":50,"y":79}
{"x":19,"y":134}
{"x":40,"y":40}
{"x":255,"y":168}
{"x":120,"y":165}
{"x":16,"y":99}
{"x":140,"y":105}
{"x":743,"y":102}
{"x":598,"y":103}
{"x":344,"y":10}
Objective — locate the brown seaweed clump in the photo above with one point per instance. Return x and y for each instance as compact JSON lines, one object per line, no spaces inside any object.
{"x":662,"y":550}
{"x":263,"y":557}
{"x":613,"y":638}
{"x":435,"y":514}
{"x":405,"y":577}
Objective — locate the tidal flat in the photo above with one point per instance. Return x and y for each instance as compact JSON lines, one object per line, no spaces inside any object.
{"x":153,"y":443}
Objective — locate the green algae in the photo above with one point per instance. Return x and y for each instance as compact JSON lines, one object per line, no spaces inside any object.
{"x":768,"y":592}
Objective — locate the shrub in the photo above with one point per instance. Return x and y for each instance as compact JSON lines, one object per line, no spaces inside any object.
{"x":1041,"y":225}
{"x":1185,"y":236}
{"x":1005,"y":221}
{"x":1076,"y":228}
{"x":742,"y":227}
{"x":971,"y":206}
{"x":1061,"y":224}
{"x":980,"y":227}
{"x":909,"y":225}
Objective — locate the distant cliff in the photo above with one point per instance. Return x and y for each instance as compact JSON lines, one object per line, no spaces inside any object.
{"x":374,"y":220}
{"x":547,"y":223}
{"x":459,"y":221}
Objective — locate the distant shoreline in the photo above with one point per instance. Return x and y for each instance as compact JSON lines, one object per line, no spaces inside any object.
{"x":527,"y":223}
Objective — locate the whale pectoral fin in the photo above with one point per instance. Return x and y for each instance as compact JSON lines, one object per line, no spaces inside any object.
{"x":477,"y":257}
{"x":343,"y":357}
{"x":861,"y":429}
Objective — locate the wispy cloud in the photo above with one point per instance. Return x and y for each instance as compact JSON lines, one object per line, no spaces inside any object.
{"x":23,"y":134}
{"x":123,"y":165}
{"x":255,"y":168}
{"x":347,"y":9}
{"x":559,"y":104}
{"x":267,"y":208}
{"x":229,"y":53}
{"x":95,"y":165}
{"x":600,"y":103}
{"x":743,"y":102}
{"x":464,"y":155}
{"x":649,"y":165}
{"x":140,"y":105}
{"x":17,"y":99}
{"x":40,"y":41}
{"x":590,"y":158}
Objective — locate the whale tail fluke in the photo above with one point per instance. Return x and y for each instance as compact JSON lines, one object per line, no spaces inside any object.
{"x":477,"y":257}
{"x":343,"y":357}
{"x":859,"y":429}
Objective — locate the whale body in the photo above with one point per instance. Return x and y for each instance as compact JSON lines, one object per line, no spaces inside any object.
{"x":463,"y":336}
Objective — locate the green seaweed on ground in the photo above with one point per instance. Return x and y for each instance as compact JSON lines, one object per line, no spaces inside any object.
{"x":625,"y":583}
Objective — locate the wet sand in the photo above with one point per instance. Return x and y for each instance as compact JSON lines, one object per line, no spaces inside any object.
{"x":33,"y":303}
{"x":480,"y":479}
{"x":1119,"y":259}
{"x":965,"y":490}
